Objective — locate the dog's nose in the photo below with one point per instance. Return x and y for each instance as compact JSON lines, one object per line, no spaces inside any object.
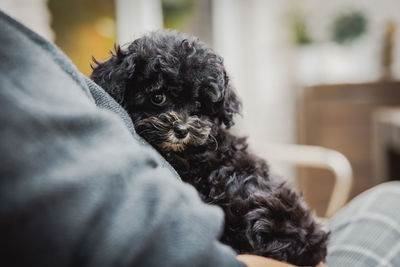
{"x":180,"y":131}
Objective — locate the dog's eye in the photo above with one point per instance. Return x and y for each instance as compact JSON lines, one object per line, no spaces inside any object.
{"x":158,"y":99}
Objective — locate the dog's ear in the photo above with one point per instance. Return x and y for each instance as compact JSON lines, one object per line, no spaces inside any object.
{"x":231,"y":104}
{"x":214,"y":92}
{"x":113,"y":73}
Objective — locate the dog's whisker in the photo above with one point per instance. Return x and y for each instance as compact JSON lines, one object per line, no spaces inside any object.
{"x":156,"y":126}
{"x":175,"y":116}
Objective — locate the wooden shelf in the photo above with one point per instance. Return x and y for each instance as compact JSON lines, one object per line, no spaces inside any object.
{"x":340,"y":117}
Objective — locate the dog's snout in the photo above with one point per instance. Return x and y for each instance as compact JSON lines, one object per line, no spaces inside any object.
{"x":180,"y":131}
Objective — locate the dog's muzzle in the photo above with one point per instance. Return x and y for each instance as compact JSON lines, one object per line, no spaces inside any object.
{"x":174,"y":131}
{"x":180,"y":130}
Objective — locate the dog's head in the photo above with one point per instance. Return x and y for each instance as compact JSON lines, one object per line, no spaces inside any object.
{"x":174,"y":87}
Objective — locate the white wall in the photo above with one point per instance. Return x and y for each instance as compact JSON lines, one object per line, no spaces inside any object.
{"x":137,"y":17}
{"x":359,"y":61}
{"x":33,"y":13}
{"x":253,"y":38}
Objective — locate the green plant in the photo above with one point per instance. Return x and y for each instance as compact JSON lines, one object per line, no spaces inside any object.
{"x":299,"y":30}
{"x":349,"y":27}
{"x":176,"y":13}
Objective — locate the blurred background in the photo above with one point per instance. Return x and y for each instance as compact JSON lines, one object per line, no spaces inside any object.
{"x":311,"y":72}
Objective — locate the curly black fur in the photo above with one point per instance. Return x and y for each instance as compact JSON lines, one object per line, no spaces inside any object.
{"x":178,"y":94}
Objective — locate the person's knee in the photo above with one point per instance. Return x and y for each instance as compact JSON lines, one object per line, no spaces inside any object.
{"x":393,"y":186}
{"x":367,"y":229}
{"x":382,"y":193}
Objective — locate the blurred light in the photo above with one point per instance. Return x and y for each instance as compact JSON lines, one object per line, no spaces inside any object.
{"x":106,"y":27}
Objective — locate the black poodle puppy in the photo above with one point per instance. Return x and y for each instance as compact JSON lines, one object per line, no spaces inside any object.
{"x":178,"y":94}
